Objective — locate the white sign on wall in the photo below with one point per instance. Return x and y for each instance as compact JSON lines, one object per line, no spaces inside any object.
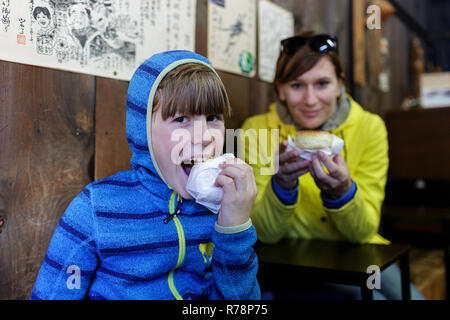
{"x":232,"y":35}
{"x":275,"y":24}
{"x":108,"y":38}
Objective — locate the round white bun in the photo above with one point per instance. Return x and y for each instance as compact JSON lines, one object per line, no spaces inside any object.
{"x":313,"y":139}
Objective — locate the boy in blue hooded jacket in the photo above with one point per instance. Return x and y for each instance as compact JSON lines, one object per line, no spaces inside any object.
{"x":138,"y":234}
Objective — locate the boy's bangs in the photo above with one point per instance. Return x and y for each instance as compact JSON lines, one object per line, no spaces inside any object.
{"x":195,"y":91}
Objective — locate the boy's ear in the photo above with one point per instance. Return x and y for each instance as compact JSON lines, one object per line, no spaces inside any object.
{"x":156,"y":104}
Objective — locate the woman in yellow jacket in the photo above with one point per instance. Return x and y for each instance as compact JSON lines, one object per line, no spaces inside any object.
{"x":331,"y":198}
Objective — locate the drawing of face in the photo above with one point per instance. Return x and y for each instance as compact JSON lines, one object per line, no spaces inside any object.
{"x":99,"y":17}
{"x":78,"y":17}
{"x":60,"y":18}
{"x":42,"y":20}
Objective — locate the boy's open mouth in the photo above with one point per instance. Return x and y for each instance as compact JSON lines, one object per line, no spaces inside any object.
{"x":189,"y":163}
{"x":187,"y":167}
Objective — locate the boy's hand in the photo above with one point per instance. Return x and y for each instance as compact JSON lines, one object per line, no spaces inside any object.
{"x":239,"y":192}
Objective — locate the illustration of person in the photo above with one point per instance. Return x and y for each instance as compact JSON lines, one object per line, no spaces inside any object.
{"x":46,"y":33}
{"x":80,"y":29}
{"x":106,"y":42}
{"x":60,"y":15}
{"x":100,"y":17}
{"x":79,"y":23}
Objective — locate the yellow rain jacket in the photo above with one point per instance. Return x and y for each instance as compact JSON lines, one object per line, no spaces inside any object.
{"x":366,"y":155}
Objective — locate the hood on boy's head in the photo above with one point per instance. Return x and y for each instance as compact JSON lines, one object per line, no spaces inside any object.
{"x":140,"y":96}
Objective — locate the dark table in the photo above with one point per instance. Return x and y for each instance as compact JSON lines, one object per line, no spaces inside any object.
{"x":291,"y":260}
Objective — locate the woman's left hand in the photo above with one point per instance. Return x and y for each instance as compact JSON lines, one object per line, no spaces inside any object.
{"x":337,"y":182}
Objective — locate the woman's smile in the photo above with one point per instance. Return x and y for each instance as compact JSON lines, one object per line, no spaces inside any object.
{"x":310,"y":113}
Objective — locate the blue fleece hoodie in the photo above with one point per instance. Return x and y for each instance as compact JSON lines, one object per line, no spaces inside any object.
{"x":121,"y":239}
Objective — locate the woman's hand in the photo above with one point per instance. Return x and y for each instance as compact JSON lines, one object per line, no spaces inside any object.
{"x":337,"y":182}
{"x":239,"y":192}
{"x":290,"y":167}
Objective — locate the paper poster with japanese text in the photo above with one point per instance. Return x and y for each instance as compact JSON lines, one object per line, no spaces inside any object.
{"x":275,"y":24}
{"x":232,"y":35}
{"x":108,"y":38}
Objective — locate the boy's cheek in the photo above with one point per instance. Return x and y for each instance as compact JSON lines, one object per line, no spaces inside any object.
{"x":214,"y":134}
{"x":179,"y":146}
{"x":219,"y":137}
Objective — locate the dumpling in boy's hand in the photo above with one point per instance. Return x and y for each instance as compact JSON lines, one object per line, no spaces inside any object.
{"x":200,"y":184}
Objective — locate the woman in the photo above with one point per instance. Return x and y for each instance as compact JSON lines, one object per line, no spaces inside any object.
{"x":302,"y":199}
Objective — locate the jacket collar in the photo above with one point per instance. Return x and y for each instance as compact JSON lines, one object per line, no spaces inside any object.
{"x":288,"y":127}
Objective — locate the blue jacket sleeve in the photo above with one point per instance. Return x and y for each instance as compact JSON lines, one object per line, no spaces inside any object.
{"x":287,"y":197}
{"x":336,"y":204}
{"x":234,"y":266}
{"x":71,"y":259}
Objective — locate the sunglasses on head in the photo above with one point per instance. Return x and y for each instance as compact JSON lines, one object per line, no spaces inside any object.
{"x":319,"y":43}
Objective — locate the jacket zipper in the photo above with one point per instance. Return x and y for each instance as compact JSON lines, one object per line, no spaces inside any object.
{"x":173,"y":215}
{"x":174,"y":212}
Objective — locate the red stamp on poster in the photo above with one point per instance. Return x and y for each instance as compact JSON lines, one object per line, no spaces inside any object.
{"x":21,"y":39}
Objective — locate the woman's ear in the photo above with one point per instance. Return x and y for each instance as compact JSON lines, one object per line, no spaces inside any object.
{"x":339,"y":87}
{"x":280,"y":92}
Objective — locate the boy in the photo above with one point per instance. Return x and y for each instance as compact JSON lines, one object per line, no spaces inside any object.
{"x":138,"y":234}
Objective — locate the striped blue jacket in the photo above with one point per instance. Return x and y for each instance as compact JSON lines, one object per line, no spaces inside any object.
{"x":121,"y":239}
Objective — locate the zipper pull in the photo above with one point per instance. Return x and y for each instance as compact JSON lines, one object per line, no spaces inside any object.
{"x":171,"y":216}
{"x":167,"y":220}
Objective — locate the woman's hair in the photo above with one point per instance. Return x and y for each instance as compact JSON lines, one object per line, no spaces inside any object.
{"x":291,"y":66}
{"x":191,"y":88}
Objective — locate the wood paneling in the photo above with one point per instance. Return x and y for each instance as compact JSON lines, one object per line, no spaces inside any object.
{"x":46,"y":141}
{"x":238,"y":93}
{"x":400,"y":37}
{"x":112,"y":153}
{"x":418,"y":144}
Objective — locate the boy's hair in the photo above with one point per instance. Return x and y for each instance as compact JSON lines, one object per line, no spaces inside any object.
{"x":191,"y":88}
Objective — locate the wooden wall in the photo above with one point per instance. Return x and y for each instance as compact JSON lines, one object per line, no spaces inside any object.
{"x":47,"y":144}
{"x":400,"y":38}
{"x":61,"y":130}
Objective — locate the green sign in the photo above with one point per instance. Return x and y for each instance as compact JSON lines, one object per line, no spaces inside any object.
{"x":246,"y":61}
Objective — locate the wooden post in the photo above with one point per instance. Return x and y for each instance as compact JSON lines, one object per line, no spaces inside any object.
{"x":359,"y":42}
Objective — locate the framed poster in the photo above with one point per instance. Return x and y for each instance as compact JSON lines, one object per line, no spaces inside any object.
{"x":108,"y":38}
{"x":275,"y":24}
{"x":232,"y":35}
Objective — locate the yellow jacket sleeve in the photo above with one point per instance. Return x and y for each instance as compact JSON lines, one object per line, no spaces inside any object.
{"x":270,"y":216}
{"x":359,"y":219}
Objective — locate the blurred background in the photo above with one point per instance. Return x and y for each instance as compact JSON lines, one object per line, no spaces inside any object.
{"x":60,"y":130}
